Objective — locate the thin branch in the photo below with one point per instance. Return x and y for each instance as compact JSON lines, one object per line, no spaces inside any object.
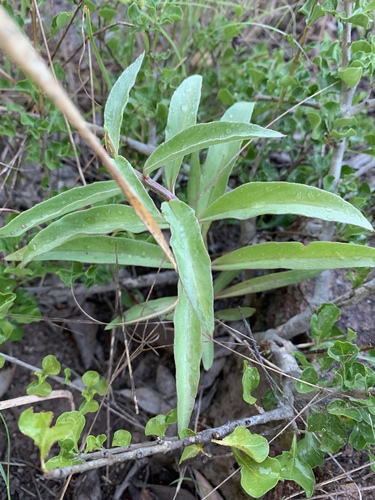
{"x":139,"y":451}
{"x":301,"y":322}
{"x":26,"y":400}
{"x":258,"y":356}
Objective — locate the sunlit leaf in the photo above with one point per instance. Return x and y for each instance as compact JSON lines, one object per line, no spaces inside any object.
{"x":253,"y":445}
{"x":182,"y":114}
{"x":98,"y":220}
{"x":258,"y":478}
{"x":295,"y":469}
{"x":121,"y":438}
{"x":106,"y":250}
{"x":250,"y":381}
{"x":202,"y":136}
{"x":316,"y":255}
{"x":145,"y":311}
{"x":187,"y":355}
{"x":193,"y":267}
{"x":221,"y":158}
{"x":59,"y":205}
{"x":128,"y":172}
{"x":258,"y":198}
{"x":267,"y":282}
{"x":37,"y":426}
{"x":117,"y":100}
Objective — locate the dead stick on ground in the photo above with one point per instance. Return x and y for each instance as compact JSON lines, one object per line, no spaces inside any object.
{"x":137,"y":452}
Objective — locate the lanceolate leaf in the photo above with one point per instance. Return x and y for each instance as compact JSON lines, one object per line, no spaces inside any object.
{"x":139,"y":190}
{"x":145,"y":311}
{"x":106,"y":250}
{"x":193,"y":264}
{"x":187,"y":354}
{"x":221,"y":158}
{"x":182,"y":114}
{"x":59,"y":205}
{"x":257,"y":198}
{"x":98,"y":220}
{"x":316,"y":255}
{"x":117,"y":100}
{"x":267,"y":282}
{"x":202,"y":136}
{"x":234,"y":314}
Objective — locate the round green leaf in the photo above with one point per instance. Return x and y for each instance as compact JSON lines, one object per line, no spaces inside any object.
{"x":121,"y":438}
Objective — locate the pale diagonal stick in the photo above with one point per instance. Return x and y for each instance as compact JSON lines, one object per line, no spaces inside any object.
{"x":20,"y":51}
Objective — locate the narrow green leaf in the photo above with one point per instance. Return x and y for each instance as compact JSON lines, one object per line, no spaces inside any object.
{"x":221,"y":158}
{"x":194,"y":266}
{"x":117,"y":100}
{"x":182,"y":114}
{"x":202,"y":136}
{"x":106,"y":250}
{"x":233,"y":314}
{"x":194,"y":178}
{"x":187,"y":355}
{"x":223,"y":279}
{"x":140,"y":191}
{"x":145,"y":311}
{"x":258,"y":198}
{"x":267,"y":282}
{"x":150,"y":309}
{"x":253,"y":445}
{"x":98,"y":220}
{"x":59,"y":205}
{"x":316,"y":255}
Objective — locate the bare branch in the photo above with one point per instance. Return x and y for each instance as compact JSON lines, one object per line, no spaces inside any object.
{"x":139,"y":451}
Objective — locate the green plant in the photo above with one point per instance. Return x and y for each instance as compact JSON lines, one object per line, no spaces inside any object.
{"x":75,"y":233}
{"x":5,"y":473}
{"x":63,"y":240}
